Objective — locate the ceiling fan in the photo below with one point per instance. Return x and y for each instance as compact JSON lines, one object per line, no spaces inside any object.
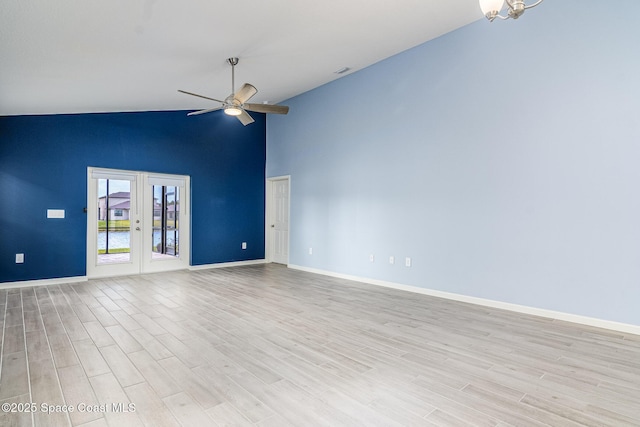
{"x":236,"y":103}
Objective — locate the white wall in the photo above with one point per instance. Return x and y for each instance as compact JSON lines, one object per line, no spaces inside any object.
{"x":502,"y":158}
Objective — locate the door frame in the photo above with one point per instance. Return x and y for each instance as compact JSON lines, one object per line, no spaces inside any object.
{"x":141,"y":261}
{"x":268,"y":217}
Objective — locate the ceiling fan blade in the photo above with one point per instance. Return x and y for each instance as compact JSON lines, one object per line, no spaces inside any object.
{"x":245,"y":118}
{"x":267,"y":108}
{"x":200,"y":96}
{"x":245,"y":93}
{"x":195,"y":113}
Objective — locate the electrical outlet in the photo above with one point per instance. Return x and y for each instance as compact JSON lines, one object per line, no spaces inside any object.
{"x":372,"y":258}
{"x":19,"y":258}
{"x":392,"y":259}
{"x":407,"y":262}
{"x":310,"y":251}
{"x":244,"y":245}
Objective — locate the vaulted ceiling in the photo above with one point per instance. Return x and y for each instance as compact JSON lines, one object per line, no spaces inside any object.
{"x":71,"y":56}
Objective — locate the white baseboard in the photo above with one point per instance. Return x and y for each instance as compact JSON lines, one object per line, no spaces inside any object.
{"x":227,"y":264}
{"x":558,"y":315}
{"x":43,"y":282}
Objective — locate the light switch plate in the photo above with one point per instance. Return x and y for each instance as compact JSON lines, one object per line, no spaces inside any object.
{"x":19,"y":258}
{"x":55,"y":213}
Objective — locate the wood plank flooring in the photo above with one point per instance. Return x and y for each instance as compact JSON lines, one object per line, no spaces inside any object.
{"x":267,"y":346}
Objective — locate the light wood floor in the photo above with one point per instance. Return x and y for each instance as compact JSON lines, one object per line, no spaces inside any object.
{"x":267,"y":346}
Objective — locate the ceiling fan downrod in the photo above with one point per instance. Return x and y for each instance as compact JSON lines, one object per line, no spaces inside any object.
{"x":233,"y":62}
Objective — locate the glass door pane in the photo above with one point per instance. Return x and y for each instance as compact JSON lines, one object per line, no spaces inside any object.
{"x":171,"y":224}
{"x":166,"y":209}
{"x":156,"y":228}
{"x":114,"y":221}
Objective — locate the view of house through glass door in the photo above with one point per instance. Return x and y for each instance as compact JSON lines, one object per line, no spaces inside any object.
{"x":114,"y":220}
{"x":137,"y":222}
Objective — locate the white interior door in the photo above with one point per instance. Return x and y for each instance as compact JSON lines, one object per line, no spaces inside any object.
{"x":278,"y":229}
{"x":137,"y":222}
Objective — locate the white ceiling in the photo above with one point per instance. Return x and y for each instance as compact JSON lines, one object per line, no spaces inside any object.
{"x":77,"y":56}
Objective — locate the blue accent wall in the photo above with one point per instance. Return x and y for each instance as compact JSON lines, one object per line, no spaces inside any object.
{"x":503,"y":158}
{"x":43,"y":165}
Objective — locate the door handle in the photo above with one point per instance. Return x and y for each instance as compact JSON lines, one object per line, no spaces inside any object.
{"x":138,"y":228}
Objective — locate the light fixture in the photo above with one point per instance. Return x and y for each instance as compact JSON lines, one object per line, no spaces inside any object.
{"x":491,"y":8}
{"x":232,"y":110}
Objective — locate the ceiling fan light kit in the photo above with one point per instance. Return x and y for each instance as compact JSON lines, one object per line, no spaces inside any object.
{"x":232,"y":111}
{"x":236,"y":104}
{"x":491,"y":8}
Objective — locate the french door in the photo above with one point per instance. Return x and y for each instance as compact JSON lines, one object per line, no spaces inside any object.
{"x":137,"y":222}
